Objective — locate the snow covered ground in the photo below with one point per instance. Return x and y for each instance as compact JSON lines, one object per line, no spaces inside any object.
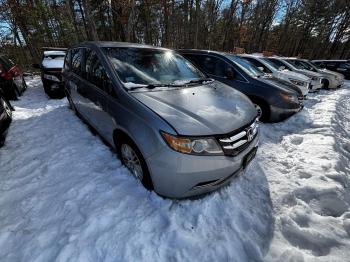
{"x":65,"y":196}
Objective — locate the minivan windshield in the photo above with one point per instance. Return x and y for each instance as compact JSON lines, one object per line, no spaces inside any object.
{"x":138,"y":67}
{"x":246,"y":66}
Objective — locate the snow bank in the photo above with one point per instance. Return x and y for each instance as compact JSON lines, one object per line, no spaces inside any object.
{"x":306,"y":160}
{"x":65,"y":196}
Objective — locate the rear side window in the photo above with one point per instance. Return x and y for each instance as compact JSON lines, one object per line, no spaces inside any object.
{"x":76,"y":61}
{"x":95,"y":72}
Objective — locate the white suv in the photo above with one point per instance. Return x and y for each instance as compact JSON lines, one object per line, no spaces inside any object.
{"x":301,"y":81}
{"x":331,"y":79}
{"x":316,"y":78}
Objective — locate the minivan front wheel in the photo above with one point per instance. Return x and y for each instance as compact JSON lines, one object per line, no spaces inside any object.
{"x":132,"y":158}
{"x":132,"y":162}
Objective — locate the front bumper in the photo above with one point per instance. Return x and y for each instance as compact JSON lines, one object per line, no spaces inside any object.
{"x":53,"y":86}
{"x":278,"y":114}
{"x":336,"y":83}
{"x":177,"y":175}
{"x":315,"y":85}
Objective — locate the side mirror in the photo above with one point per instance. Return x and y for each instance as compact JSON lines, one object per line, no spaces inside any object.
{"x":281,"y":68}
{"x":36,"y":66}
{"x":230,"y":74}
{"x":261,"y":68}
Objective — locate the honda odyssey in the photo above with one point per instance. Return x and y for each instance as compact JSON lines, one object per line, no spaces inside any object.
{"x":178,"y":132}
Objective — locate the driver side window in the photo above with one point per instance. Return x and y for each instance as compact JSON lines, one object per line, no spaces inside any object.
{"x":96,"y":74}
{"x":215,"y":66}
{"x":259,"y":65}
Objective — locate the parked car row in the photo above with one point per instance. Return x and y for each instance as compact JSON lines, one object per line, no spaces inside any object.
{"x":184,"y":122}
{"x":339,"y":66}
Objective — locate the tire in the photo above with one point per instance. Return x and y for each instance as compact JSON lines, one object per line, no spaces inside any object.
{"x":123,"y":146}
{"x":7,"y":107}
{"x":16,"y":89}
{"x":24,"y":84}
{"x":47,"y":90}
{"x":264,"y":110}
{"x":70,"y":104}
{"x":326,"y":84}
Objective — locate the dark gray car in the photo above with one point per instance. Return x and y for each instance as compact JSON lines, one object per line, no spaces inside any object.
{"x":178,"y":132}
{"x":274,"y":99}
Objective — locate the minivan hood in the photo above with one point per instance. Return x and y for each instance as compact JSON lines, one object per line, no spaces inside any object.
{"x":204,"y":110}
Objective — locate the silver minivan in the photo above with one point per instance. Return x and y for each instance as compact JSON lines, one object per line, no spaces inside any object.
{"x":179,"y":133}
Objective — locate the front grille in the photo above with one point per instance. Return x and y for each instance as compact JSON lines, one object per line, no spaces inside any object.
{"x":235,"y":143}
{"x":301,"y":99}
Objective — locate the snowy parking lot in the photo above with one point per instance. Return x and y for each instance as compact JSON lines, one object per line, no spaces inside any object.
{"x":64,"y":195}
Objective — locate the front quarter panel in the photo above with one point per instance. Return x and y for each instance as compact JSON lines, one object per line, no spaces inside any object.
{"x":140,"y":123}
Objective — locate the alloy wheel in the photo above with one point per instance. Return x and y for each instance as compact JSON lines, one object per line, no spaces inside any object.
{"x":131,"y":161}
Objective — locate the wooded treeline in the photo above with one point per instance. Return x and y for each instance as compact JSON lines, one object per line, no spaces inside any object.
{"x":311,"y":28}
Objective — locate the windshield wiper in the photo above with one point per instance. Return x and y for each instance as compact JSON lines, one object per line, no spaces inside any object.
{"x":151,"y":86}
{"x":199,"y":81}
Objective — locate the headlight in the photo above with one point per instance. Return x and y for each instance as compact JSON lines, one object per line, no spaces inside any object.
{"x":313,"y":78}
{"x":289,"y":98}
{"x":297,"y":82}
{"x":51,"y":77}
{"x":193,"y":146}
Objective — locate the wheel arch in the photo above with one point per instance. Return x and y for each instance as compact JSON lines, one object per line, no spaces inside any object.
{"x":261,"y":101}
